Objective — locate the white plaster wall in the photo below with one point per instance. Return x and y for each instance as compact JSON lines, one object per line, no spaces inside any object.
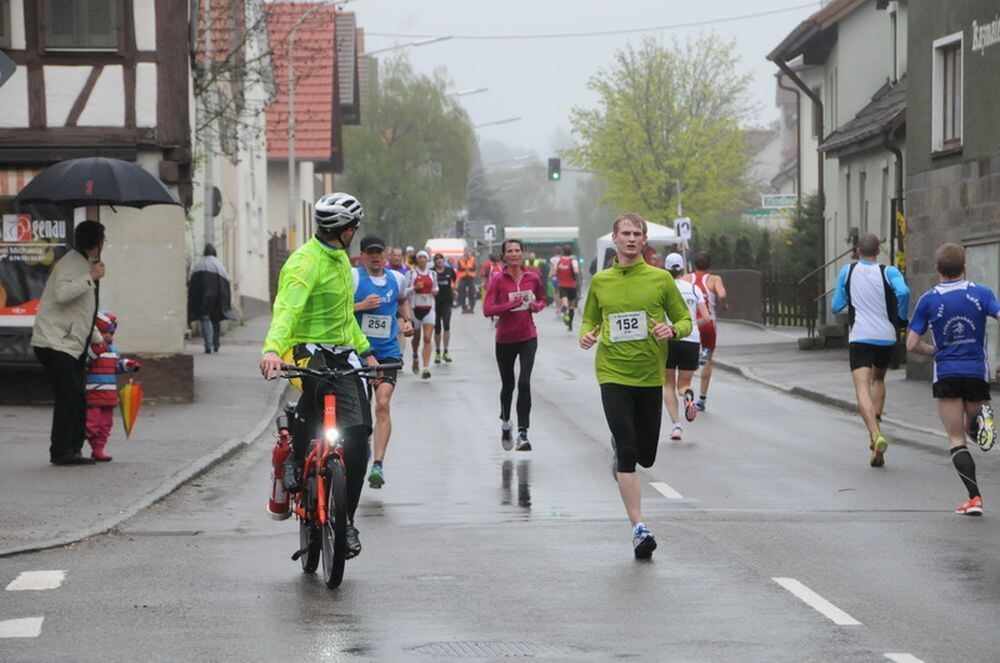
{"x":146,"y":282}
{"x":766,"y":163}
{"x":62,"y":87}
{"x":17,"y":36}
{"x":106,"y":106}
{"x":145,"y":94}
{"x":145,"y":24}
{"x":808,"y":143}
{"x":14,"y":100}
{"x":861,"y":68}
{"x":277,"y":197}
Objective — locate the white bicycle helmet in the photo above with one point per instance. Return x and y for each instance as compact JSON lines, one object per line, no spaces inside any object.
{"x":338,"y":210}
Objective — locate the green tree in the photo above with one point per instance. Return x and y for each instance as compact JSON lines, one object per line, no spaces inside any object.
{"x":802,"y":239}
{"x":762,"y":256}
{"x":743,"y":258}
{"x":409,"y":160}
{"x":668,"y":114}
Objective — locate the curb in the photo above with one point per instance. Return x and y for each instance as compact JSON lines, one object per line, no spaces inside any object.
{"x":166,"y":487}
{"x":826,"y":399}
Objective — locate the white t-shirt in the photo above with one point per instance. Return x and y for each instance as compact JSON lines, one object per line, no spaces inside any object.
{"x":692,"y":297}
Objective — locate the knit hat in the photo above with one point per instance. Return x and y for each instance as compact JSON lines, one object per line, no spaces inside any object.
{"x":106,"y":322}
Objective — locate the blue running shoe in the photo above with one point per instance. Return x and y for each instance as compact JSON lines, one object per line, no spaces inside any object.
{"x":643,"y":542}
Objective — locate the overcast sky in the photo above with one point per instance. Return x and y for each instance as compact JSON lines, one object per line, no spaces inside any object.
{"x":541,"y":80}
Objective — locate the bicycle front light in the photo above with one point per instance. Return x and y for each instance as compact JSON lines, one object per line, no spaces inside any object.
{"x":332,"y":434}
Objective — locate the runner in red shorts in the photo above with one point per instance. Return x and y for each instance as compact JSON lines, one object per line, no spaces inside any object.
{"x":714,"y":290}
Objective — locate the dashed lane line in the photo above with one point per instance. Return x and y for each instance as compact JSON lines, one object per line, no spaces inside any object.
{"x":903,"y":658}
{"x":26,"y":627}
{"x":817,"y":602}
{"x":37,"y":581}
{"x":666,"y":490}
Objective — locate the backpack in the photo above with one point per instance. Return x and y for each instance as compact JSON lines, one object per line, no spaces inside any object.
{"x":891,"y":302}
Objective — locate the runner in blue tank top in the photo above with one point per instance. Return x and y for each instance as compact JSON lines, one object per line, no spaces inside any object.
{"x":956,"y":312}
{"x":383,"y":312}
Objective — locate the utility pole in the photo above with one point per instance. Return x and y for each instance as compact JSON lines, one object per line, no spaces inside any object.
{"x":207,"y":144}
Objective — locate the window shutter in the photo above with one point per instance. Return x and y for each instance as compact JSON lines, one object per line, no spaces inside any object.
{"x":59,"y":24}
{"x":101,"y":26}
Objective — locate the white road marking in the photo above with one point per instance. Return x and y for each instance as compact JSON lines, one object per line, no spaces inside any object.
{"x":666,"y":490}
{"x":903,"y":658}
{"x":28,"y":627}
{"x":36,"y":581}
{"x":817,"y":602}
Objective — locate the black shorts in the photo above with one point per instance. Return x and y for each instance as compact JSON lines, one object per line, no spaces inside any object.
{"x":442,"y":314}
{"x":970,"y":390}
{"x":868,"y":355}
{"x":391,"y":374}
{"x":633,"y":415}
{"x":568,"y":293}
{"x":683,"y":355}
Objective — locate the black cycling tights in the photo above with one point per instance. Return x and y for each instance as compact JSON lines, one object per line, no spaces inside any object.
{"x":507,"y":353}
{"x":353,"y":422}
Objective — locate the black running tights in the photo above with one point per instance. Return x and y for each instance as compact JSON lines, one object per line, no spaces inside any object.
{"x":507,"y":353}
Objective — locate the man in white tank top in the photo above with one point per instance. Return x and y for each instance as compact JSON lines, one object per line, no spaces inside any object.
{"x":877,"y":299}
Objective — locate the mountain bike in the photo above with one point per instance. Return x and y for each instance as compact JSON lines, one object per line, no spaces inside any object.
{"x":321,"y":505}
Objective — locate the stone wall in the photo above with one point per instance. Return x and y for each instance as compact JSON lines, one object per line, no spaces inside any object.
{"x":957,"y":203}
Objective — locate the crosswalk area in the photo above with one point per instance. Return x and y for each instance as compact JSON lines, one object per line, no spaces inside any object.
{"x":29,"y":581}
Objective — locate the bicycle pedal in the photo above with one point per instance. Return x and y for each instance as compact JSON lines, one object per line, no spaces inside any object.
{"x":299,"y":553}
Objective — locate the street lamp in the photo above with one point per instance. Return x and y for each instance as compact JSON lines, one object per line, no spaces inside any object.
{"x":419,"y":42}
{"x":465,"y":93}
{"x":496,"y":122}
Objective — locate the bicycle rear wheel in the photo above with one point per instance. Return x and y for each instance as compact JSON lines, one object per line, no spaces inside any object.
{"x":309,"y":536}
{"x":334,"y":531}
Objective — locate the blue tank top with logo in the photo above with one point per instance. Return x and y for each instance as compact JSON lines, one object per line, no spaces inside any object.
{"x":380,"y":324}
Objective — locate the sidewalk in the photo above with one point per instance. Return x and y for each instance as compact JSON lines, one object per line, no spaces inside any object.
{"x":46,"y":506}
{"x":772,"y":357}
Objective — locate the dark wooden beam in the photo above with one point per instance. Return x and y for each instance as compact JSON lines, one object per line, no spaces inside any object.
{"x":127,"y":24}
{"x":33,"y":48}
{"x":84,"y":97}
{"x":173,"y":40}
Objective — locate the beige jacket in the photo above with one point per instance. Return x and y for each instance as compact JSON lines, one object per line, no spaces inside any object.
{"x":67,"y":308}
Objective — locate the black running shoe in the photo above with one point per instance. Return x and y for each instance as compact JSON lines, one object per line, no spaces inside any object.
{"x":353,"y":542}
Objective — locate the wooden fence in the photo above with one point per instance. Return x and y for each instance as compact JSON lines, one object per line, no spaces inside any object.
{"x":787,"y":303}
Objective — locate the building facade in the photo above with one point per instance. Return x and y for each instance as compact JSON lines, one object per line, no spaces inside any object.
{"x":953,"y":159}
{"x":108,"y":79}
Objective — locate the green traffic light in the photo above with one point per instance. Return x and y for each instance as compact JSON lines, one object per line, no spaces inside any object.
{"x":555,"y":176}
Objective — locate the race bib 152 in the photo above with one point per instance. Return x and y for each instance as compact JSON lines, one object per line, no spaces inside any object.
{"x":629,"y":326}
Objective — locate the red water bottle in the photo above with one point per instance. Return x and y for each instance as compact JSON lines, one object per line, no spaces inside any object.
{"x":278,"y":506}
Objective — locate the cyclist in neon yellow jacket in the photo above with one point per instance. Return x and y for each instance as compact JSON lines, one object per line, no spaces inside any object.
{"x":313,"y":321}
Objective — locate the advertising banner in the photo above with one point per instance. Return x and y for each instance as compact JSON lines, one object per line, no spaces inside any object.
{"x":30,"y":244}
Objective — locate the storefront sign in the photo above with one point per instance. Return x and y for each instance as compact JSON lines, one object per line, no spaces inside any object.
{"x":29,"y":247}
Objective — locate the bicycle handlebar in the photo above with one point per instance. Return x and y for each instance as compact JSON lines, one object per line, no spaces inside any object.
{"x":292,"y":371}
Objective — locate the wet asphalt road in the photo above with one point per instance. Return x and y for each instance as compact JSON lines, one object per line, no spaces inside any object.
{"x":473,"y":552}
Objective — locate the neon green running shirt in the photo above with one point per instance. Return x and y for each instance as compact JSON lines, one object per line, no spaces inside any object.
{"x":617,"y":301}
{"x":315,"y":301}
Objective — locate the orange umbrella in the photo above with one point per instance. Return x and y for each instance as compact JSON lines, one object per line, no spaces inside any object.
{"x":130,"y":398}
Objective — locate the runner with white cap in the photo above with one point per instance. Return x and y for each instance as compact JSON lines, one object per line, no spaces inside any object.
{"x":423,"y":288}
{"x":682,"y":353}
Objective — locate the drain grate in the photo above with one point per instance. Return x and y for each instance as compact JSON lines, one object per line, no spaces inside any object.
{"x":478,"y":649}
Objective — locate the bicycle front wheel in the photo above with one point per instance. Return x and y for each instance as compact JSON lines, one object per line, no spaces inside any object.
{"x":334,"y":532}
{"x":308,"y":534}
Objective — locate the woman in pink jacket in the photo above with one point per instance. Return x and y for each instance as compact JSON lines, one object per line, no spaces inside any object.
{"x":513,"y":296}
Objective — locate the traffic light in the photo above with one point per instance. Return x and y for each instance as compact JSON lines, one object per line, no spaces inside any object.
{"x":555,"y":169}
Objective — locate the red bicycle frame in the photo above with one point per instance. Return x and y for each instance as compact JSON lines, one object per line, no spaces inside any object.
{"x":317,"y":459}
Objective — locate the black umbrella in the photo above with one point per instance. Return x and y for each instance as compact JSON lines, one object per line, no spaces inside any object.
{"x":96,"y":181}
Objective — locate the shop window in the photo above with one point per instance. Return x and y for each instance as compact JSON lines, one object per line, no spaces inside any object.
{"x":81,"y":24}
{"x":946,"y":134}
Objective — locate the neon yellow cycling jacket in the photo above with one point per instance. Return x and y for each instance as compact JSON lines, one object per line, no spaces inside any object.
{"x":315,"y":301}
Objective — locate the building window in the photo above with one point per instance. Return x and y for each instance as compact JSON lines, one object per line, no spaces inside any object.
{"x":817,"y":116}
{"x":862,"y":202}
{"x":894,"y":29}
{"x":81,"y":24}
{"x":946,"y":129}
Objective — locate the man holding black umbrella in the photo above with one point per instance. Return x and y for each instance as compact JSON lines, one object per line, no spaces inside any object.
{"x":63,"y":325}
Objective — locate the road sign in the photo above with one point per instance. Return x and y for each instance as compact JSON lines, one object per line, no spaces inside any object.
{"x":490,"y":233}
{"x":682,"y":227}
{"x":778,"y":200}
{"x":7,"y":68}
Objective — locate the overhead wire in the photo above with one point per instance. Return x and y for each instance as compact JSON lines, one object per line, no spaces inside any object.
{"x":600,"y":33}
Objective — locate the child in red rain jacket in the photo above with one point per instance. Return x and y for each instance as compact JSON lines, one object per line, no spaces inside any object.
{"x":103,"y":363}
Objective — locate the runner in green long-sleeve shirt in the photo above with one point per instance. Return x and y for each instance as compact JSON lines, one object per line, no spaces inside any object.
{"x":631,"y":311}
